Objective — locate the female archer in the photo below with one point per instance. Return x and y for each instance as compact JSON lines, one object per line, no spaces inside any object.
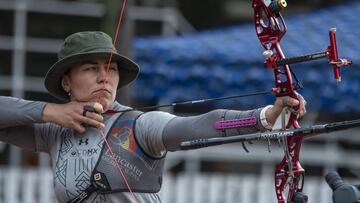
{"x":103,"y":151}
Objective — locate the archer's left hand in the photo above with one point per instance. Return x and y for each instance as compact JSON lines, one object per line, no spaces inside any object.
{"x":281,"y":102}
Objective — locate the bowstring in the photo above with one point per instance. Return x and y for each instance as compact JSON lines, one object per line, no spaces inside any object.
{"x":113,"y":156}
{"x":117,"y":32}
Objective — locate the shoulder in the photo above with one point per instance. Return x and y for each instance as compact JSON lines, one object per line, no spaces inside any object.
{"x":154,"y":119}
{"x":119,"y":107}
{"x":157,"y":115}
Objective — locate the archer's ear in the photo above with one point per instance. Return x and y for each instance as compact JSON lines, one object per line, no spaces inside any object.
{"x":65,"y":83}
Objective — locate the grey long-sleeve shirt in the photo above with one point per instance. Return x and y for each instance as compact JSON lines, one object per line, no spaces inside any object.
{"x":74,"y":156}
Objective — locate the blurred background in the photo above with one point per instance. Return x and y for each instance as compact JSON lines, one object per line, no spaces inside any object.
{"x":192,"y":50}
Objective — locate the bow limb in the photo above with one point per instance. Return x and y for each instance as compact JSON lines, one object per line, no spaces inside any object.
{"x":289,"y":174}
{"x":270,"y":28}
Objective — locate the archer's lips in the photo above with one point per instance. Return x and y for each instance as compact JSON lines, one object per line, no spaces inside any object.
{"x":102,"y":91}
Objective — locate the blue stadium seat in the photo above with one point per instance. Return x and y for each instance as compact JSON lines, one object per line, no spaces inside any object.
{"x":229,"y":61}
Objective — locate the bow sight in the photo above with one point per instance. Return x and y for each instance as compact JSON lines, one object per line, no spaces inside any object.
{"x":277,"y":28}
{"x":271,"y":60}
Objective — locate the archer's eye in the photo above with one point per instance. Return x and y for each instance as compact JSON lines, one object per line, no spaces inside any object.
{"x":90,"y":68}
{"x":113,"y":67}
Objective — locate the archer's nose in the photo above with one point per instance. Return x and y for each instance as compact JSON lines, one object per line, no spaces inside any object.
{"x":103,"y":76}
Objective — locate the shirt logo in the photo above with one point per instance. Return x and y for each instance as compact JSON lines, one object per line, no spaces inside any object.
{"x":86,"y":142}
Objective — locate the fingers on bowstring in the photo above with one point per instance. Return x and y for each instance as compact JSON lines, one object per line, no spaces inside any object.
{"x":93,"y":122}
{"x":93,"y":111}
{"x":93,"y":107}
{"x":95,"y":116}
{"x":91,"y":119}
{"x":91,"y":115}
{"x":98,"y":107}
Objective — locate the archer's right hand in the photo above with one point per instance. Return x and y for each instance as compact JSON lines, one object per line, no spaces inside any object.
{"x":72,"y":115}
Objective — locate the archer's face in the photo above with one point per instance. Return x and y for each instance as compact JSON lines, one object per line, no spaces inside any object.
{"x":93,"y":80}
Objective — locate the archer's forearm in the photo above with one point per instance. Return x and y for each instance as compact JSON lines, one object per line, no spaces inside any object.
{"x":181,"y":129}
{"x":16,"y":112}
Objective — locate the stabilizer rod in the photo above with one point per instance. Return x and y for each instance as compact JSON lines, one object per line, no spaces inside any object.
{"x":306,"y":132}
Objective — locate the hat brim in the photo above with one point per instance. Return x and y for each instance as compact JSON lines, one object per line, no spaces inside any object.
{"x":128,"y":71}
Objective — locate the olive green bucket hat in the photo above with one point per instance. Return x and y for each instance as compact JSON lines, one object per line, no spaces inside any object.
{"x":83,"y":46}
